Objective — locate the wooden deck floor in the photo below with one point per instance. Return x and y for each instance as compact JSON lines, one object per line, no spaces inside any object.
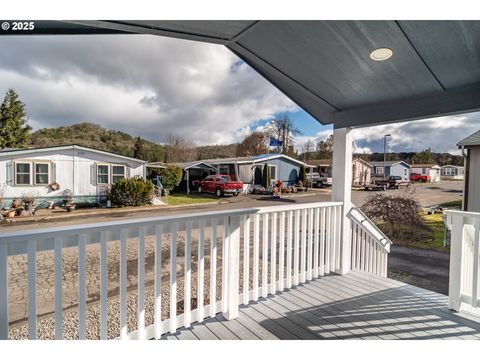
{"x":355,"y":306}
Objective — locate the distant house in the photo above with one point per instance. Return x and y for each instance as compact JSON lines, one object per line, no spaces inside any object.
{"x":471,"y":148}
{"x":431,"y":170}
{"x":249,"y":169}
{"x":51,"y":173}
{"x":452,"y":172}
{"x":361,"y":172}
{"x":323,"y":167}
{"x":392,"y":168}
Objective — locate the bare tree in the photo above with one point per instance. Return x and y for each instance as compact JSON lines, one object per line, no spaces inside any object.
{"x":395,"y":213}
{"x":178,"y":149}
{"x":253,"y":144}
{"x":283,"y":129}
{"x":307,"y":149}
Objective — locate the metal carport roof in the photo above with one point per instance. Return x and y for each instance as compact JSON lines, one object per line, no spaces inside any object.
{"x":325,"y":66}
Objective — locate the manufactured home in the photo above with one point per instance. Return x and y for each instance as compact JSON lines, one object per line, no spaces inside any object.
{"x":471,"y":150}
{"x":50,"y":174}
{"x":323,"y":167}
{"x":452,"y":172}
{"x":431,"y":170}
{"x":361,"y":172}
{"x":249,"y":170}
{"x":392,"y":168}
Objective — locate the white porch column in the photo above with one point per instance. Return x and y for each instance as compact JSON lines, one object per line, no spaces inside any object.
{"x":342,"y":189}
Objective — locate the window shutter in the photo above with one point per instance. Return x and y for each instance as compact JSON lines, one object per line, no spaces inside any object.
{"x":9,"y":173}
{"x":129,"y":172}
{"x":93,"y":174}
{"x":54,"y":172}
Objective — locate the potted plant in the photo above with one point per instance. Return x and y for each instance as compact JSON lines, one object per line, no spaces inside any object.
{"x":15,"y":203}
{"x":29,"y":204}
{"x":68,"y":200}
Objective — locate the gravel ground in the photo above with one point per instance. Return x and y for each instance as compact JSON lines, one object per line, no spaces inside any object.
{"x":46,"y":323}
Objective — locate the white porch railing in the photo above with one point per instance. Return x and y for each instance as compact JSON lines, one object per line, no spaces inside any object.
{"x":464,"y":259}
{"x":236,"y":256}
{"x":370,"y":246}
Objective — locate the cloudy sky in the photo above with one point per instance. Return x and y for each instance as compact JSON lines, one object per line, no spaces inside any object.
{"x":149,"y":85}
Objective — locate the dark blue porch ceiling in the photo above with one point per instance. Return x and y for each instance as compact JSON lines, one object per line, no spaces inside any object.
{"x":325,"y":66}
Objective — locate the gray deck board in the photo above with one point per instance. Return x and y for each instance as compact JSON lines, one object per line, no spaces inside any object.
{"x":242,"y":332}
{"x":353,"y":306}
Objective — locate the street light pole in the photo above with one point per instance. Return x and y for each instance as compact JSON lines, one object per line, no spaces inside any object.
{"x":385,"y":155}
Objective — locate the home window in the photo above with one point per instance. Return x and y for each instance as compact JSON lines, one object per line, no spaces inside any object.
{"x":23,"y":173}
{"x":118,"y":173}
{"x":273,"y":172}
{"x":41,"y":173}
{"x":102,"y":174}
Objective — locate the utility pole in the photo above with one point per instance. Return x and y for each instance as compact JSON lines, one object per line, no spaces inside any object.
{"x":385,"y":155}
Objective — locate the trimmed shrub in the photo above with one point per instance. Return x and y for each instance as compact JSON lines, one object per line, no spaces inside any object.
{"x":131,"y":192}
{"x":302,"y":176}
{"x":172,"y":176}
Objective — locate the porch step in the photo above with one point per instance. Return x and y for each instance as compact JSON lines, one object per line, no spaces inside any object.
{"x":157,"y":201}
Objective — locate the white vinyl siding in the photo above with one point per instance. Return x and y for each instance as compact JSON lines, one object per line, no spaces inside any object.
{"x":119,"y":172}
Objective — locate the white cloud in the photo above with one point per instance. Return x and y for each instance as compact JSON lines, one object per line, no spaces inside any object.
{"x":146,"y":85}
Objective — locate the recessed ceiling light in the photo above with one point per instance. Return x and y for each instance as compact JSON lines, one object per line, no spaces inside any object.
{"x":381,"y":54}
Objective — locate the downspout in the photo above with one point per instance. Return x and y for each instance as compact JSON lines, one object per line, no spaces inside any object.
{"x":466,"y":164}
{"x":73,"y":184}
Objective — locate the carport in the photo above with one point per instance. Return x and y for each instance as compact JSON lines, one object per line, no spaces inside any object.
{"x":196,"y":170}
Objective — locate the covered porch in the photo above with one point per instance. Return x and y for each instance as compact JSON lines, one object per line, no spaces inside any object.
{"x":357,"y":305}
{"x":295,"y":271}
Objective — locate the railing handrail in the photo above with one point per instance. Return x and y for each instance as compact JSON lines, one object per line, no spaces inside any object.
{"x":69,"y":230}
{"x":377,"y":234}
{"x":468,"y":217}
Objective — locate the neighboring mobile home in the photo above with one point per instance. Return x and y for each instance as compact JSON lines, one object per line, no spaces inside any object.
{"x":361,"y":172}
{"x":50,"y":173}
{"x":431,"y":170}
{"x":392,"y":168}
{"x":323,"y":167}
{"x":452,"y":172}
{"x":249,"y":169}
{"x":471,"y":149}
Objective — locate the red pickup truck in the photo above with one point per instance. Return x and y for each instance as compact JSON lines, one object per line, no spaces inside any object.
{"x":220,"y":185}
{"x":419,"y":177}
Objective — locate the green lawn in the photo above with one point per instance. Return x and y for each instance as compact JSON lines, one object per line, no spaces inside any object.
{"x":184,"y":199}
{"x":454,"y":203}
{"x":434,"y":240}
{"x":429,"y":238}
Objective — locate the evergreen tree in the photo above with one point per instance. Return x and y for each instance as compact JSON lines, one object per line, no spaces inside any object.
{"x":302,"y":176}
{"x":14,"y":130}
{"x":139,"y":148}
{"x":423,"y":157}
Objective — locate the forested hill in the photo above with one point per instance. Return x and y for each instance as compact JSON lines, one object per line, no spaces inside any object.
{"x":94,"y":136}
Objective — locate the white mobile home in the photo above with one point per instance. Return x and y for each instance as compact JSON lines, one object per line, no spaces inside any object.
{"x":452,"y":172}
{"x":431,"y":170}
{"x":49,"y":173}
{"x":361,"y":172}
